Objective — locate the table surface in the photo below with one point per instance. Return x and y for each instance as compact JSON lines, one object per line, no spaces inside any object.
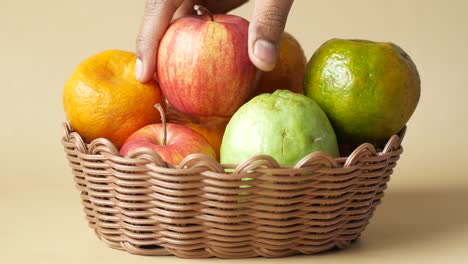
{"x":417,"y":225}
{"x":424,"y":214}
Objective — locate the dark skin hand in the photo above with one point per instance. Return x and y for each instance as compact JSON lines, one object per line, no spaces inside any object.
{"x":266,"y":26}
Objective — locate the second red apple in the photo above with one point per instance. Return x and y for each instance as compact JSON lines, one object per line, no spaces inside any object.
{"x":181,"y":141}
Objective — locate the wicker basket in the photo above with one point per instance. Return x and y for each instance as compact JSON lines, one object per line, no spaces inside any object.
{"x":203,"y":209}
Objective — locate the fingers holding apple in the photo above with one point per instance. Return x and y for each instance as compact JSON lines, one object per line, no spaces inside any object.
{"x":203,"y":64}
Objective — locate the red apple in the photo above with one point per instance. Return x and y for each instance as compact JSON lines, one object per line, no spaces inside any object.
{"x":203,"y":65}
{"x":172,"y":142}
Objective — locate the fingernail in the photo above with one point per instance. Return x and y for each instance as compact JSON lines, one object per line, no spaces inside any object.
{"x":139,"y":69}
{"x":265,"y":51}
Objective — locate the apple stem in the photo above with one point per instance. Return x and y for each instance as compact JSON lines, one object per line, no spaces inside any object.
{"x":163,"y":120}
{"x":201,"y":10}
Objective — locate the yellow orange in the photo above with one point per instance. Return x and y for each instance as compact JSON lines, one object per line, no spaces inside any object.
{"x":102,"y":98}
{"x":289,"y":71}
{"x":211,"y":128}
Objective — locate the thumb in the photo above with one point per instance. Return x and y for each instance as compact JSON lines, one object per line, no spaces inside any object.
{"x":157,"y":16}
{"x":266,"y":27}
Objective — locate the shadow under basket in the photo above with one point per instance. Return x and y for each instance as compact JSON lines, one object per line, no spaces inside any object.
{"x":202,"y":208}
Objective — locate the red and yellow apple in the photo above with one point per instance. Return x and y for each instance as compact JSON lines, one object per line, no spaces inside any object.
{"x":203,"y":66}
{"x":180,"y":142}
{"x":289,"y":71}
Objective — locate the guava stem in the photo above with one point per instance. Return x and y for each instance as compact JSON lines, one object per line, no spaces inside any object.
{"x":201,"y":10}
{"x":163,"y":120}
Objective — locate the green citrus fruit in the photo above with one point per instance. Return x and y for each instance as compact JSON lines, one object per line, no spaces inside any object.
{"x":368,"y":90}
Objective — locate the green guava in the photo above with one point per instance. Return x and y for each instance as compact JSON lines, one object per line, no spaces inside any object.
{"x":284,"y":125}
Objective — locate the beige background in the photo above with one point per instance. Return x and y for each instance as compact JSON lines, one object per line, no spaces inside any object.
{"x":424,"y":217}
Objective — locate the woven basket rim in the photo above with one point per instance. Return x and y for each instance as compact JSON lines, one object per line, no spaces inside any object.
{"x":103,"y":146}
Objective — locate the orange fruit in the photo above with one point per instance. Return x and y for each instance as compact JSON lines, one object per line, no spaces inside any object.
{"x":102,"y":98}
{"x":289,"y":71}
{"x":211,"y":128}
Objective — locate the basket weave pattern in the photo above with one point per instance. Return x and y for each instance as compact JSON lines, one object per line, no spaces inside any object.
{"x":203,"y":209}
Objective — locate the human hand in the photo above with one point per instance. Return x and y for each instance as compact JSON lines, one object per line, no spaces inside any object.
{"x":267,"y":24}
